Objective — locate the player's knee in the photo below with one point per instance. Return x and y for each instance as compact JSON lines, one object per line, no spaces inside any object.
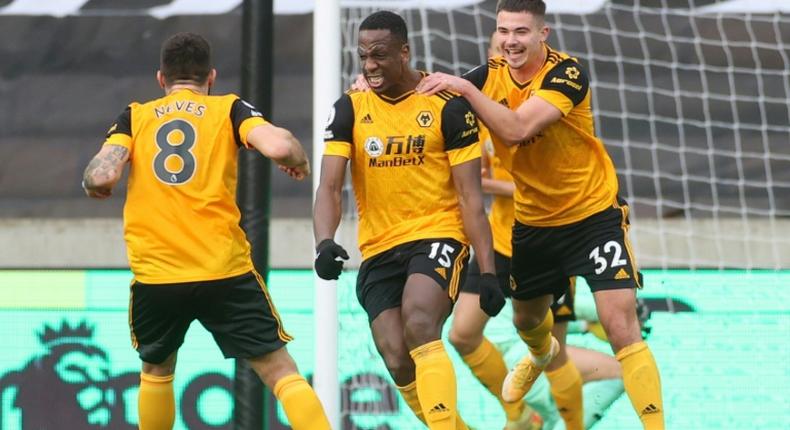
{"x":526,"y":321}
{"x":158,"y":369}
{"x":456,"y":338}
{"x":401,"y":369}
{"x":463,"y":341}
{"x":273,"y":366}
{"x":420,"y":328}
{"x":622,"y":331}
{"x":165,"y":368}
{"x":397,"y":360}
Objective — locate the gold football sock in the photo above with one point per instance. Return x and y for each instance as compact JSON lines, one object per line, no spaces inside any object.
{"x":409,"y":393}
{"x":539,"y":338}
{"x":597,"y":329}
{"x":566,"y":388}
{"x":300,"y":403}
{"x":436,"y":385}
{"x":156,"y":403}
{"x":488,"y":366}
{"x":643,"y":384}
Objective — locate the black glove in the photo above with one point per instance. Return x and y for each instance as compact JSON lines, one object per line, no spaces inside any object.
{"x":327,"y":266}
{"x":492,"y":300}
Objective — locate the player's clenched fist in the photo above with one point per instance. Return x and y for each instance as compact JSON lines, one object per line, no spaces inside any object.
{"x":327,"y":264}
{"x":492,"y":300}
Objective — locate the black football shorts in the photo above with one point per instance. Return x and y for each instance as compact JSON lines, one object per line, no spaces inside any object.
{"x":596,"y":248}
{"x":382,"y":277}
{"x":237,"y":311}
{"x":562,"y":307}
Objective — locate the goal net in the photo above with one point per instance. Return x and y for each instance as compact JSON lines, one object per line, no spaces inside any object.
{"x":690,"y":98}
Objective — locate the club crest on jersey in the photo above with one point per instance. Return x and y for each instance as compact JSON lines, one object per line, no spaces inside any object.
{"x":373,"y":146}
{"x":470,"y":119}
{"x":425,"y":118}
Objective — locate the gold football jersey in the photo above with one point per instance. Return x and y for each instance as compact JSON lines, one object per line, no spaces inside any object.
{"x":401,"y":152}
{"x":181,"y":222}
{"x":563,"y":174}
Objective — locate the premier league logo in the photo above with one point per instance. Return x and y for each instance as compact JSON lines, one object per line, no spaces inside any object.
{"x":373,"y":146}
{"x":69,"y":384}
{"x":70,"y":380}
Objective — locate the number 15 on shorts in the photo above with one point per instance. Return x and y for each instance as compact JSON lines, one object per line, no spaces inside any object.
{"x":442,"y":253}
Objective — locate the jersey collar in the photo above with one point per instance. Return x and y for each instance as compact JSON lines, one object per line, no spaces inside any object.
{"x":523,"y":85}
{"x":402,"y":97}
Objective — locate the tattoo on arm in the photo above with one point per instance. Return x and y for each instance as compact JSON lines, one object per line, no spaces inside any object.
{"x":102,"y":171}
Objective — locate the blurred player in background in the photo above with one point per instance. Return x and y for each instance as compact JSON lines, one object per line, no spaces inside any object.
{"x":569,"y":218}
{"x":415,"y":170}
{"x":189,"y":257}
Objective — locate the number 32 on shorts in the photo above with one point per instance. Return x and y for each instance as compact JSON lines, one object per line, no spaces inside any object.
{"x":606,"y":256}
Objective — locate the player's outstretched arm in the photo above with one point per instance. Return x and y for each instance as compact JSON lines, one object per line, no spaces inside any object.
{"x":326,"y":217}
{"x":328,"y":197}
{"x":282,"y":147}
{"x":513,"y":127}
{"x":466,"y":177}
{"x":104,"y":171}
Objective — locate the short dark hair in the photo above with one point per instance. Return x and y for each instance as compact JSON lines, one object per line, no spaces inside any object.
{"x":385,"y":20}
{"x":185,"y":57}
{"x":535,"y":7}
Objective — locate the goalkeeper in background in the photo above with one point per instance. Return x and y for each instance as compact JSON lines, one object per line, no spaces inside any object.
{"x":415,"y":170}
{"x":189,"y":257}
{"x":569,"y":218}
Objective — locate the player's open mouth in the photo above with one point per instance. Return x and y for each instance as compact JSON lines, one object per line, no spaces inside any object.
{"x":375,"y":81}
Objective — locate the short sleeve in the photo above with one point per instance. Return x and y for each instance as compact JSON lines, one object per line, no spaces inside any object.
{"x":244,"y":117}
{"x":565,"y":86}
{"x":121,"y":131}
{"x":477,"y":76}
{"x":339,"y":132}
{"x":459,"y":128}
